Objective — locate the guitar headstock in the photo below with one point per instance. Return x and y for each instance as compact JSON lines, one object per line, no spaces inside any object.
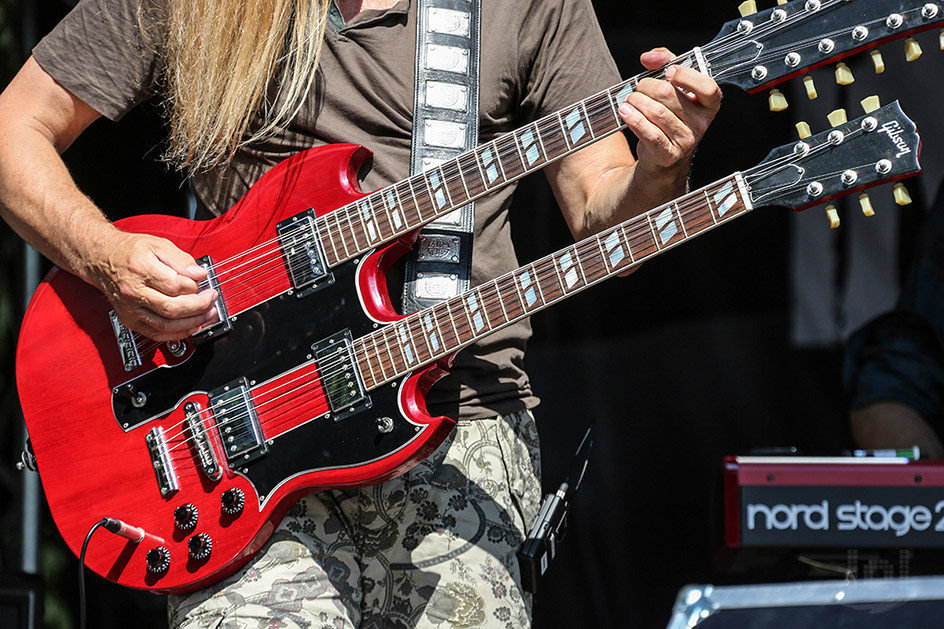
{"x":773,"y":45}
{"x":881,"y":146}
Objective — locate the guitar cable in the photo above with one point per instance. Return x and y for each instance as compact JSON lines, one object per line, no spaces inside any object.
{"x":117,"y":527}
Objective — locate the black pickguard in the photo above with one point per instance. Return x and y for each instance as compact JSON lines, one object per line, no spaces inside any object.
{"x":266,"y":341}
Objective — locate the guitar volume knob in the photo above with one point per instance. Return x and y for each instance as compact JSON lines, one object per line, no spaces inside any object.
{"x":158,"y":560}
{"x":232,"y":501}
{"x":199,"y":546}
{"x":185,"y":517}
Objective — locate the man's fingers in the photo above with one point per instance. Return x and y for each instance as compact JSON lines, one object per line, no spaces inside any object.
{"x":702,"y":87}
{"x":656,"y":58}
{"x":160,"y":328}
{"x":179,"y":306}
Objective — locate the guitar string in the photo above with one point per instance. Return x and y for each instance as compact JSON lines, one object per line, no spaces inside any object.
{"x":510,"y":137}
{"x":412,"y":322}
{"x":546,"y":265}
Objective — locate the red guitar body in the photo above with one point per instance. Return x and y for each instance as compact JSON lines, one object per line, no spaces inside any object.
{"x":89,"y":417}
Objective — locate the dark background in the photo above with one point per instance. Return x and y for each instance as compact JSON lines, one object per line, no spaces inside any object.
{"x":686,"y":361}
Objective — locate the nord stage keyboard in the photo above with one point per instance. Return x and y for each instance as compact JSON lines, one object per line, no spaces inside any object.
{"x":833,"y":502}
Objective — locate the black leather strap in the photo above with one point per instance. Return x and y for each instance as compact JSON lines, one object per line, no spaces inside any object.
{"x":445,"y":124}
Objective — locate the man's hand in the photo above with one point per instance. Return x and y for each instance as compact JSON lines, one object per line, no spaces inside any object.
{"x":153,"y":286}
{"x":669,"y":117}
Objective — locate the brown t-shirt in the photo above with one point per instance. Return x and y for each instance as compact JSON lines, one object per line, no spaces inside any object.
{"x":537,"y":56}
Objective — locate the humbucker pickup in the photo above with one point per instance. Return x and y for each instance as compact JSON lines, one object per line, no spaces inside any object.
{"x":340,"y":378}
{"x":303,"y":255}
{"x":237,"y":423}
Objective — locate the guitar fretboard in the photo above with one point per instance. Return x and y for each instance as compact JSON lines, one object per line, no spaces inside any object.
{"x":411,"y":203}
{"x":440,"y":330}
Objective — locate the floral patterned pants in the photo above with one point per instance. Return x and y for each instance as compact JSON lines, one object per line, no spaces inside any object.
{"x":432,"y":548}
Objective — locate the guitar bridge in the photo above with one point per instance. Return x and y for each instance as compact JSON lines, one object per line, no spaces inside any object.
{"x":160,"y":460}
{"x":127,"y":346}
{"x":303,"y":255}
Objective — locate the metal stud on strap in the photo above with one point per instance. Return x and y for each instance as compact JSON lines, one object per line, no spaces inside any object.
{"x":445,"y":125}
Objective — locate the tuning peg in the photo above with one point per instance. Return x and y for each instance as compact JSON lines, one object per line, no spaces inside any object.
{"x":803,"y":130}
{"x":832,"y":215}
{"x":877,"y":60}
{"x":837,"y":117}
{"x":782,"y":1}
{"x":866,"y":204}
{"x":810,"y":87}
{"x":900,"y":192}
{"x":844,"y":74}
{"x":912,"y":49}
{"x":940,"y":39}
{"x":777,"y":101}
{"x":748,"y":7}
{"x":870,"y":104}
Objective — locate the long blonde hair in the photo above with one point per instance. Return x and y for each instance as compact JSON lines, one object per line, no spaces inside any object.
{"x":225,"y":61}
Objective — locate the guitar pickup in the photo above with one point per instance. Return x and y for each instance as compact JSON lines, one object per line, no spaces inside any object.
{"x":222,"y":325}
{"x":340,"y":378}
{"x":303,"y":254}
{"x":237,"y":423}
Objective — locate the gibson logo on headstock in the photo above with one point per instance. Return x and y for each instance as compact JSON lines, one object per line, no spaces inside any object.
{"x":894,"y":131}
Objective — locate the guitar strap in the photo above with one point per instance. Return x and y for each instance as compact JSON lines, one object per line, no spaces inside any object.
{"x":445,"y":124}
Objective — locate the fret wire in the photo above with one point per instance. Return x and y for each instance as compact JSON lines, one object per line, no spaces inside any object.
{"x":406,"y":342}
{"x":678,"y":217}
{"x":537,"y":134}
{"x":383,"y":217}
{"x":429,"y":191}
{"x":455,"y":331}
{"x":398,"y":208}
{"x":517,"y":144}
{"x":480,"y":165}
{"x":582,"y":107}
{"x":434,"y":324}
{"x":546,"y":274}
{"x":553,"y":129}
{"x":360,"y":355}
{"x":452,"y":178}
{"x":445,"y":187}
{"x":563,"y":130}
{"x":501,"y":300}
{"x":377,"y":353}
{"x":555,"y":262}
{"x":347,"y":212}
{"x":337,"y":221}
{"x":412,"y":323}
{"x":386,"y":340}
{"x":323,"y":235}
{"x":475,"y":190}
{"x":711,"y":208}
{"x":586,"y":252}
{"x":503,"y":153}
{"x":652,"y":228}
{"x":491,"y":304}
{"x":498,"y":159}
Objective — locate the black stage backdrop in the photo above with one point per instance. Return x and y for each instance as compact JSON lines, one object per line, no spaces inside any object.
{"x":683,"y":362}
